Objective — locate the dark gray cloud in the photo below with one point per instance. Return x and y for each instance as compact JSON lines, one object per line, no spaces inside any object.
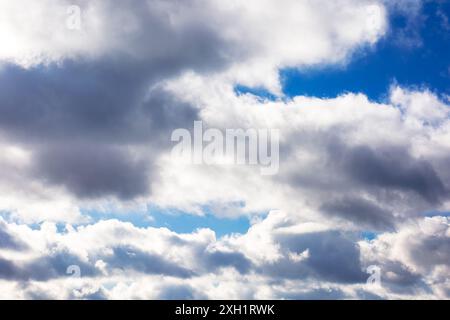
{"x":399,"y":278}
{"x":44,"y":268}
{"x":361,"y":211}
{"x":55,"y":265}
{"x":107,"y":101}
{"x":375,"y":186}
{"x":8,"y":270}
{"x":179,"y":292}
{"x":214,"y":260}
{"x":81,"y":119}
{"x":432,"y":251}
{"x":394,"y":168}
{"x":80,"y":116}
{"x":104,"y":98}
{"x":8,"y":240}
{"x":132,"y":259}
{"x":124,"y":258}
{"x":331,"y":257}
{"x":93,"y":171}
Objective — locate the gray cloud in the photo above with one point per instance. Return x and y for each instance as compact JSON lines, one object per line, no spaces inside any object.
{"x":79,"y":117}
{"x":9,"y":241}
{"x":94,"y":171}
{"x":333,"y":268}
{"x":332,"y":257}
{"x":133,"y":259}
{"x":218,"y":259}
{"x":80,"y":121}
{"x":375,"y":186}
{"x":363,"y":212}
{"x":179,"y":292}
{"x":55,"y":266}
{"x":44,"y":268}
{"x":394,"y":169}
{"x":432,"y":251}
{"x":8,"y":270}
{"x":313,"y":294}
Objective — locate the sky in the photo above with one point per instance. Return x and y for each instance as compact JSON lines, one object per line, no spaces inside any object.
{"x":92,"y":92}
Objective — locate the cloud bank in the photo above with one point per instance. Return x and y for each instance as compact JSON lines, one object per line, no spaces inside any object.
{"x":277,"y":258}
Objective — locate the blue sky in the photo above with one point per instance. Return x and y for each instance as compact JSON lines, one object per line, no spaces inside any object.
{"x":411,"y":54}
{"x":178,"y":221}
{"x":422,"y":63}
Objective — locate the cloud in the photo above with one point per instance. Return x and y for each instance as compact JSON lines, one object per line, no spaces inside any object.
{"x":254,"y":38}
{"x":90,"y":109}
{"x":394,"y":169}
{"x":92,"y":171}
{"x":317,"y":245}
{"x":116,"y":261}
{"x":9,"y":241}
{"x":415,"y":258}
{"x":362,"y":164}
{"x":96,"y":136}
{"x":136,"y":260}
{"x":361,"y":210}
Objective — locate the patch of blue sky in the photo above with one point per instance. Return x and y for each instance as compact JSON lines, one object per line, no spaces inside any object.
{"x":11,"y":218}
{"x":369,"y":235}
{"x":185,"y":222}
{"x":139,"y":219}
{"x":261,"y":93}
{"x":372,"y":71}
{"x":422,"y":62}
{"x":176,"y":220}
